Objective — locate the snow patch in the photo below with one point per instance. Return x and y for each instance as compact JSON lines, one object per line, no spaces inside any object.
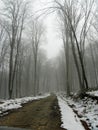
{"x":69,"y":118}
{"x":93,"y":93}
{"x":87,"y":109}
{"x":8,"y":105}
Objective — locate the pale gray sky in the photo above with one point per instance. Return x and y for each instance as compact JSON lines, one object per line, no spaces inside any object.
{"x":54,"y":43}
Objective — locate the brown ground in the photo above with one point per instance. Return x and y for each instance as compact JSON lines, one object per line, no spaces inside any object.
{"x":42,"y":114}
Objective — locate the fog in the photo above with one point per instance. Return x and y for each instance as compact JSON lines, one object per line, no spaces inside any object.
{"x":48,"y":46}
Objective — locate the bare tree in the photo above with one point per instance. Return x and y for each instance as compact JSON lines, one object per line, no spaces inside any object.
{"x":36,"y":37}
{"x":72,"y":18}
{"x":14,"y":13}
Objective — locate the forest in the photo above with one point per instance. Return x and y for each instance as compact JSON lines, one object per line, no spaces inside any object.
{"x":39,"y":92}
{"x":24,"y":66}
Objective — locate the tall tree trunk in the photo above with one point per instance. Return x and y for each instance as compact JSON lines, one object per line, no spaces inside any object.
{"x":81,"y":59}
{"x":76,"y":62}
{"x":10,"y":73}
{"x":66,"y":50}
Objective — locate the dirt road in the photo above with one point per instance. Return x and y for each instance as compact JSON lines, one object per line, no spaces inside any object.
{"x":42,"y":114}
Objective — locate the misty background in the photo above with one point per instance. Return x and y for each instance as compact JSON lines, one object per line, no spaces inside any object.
{"x":48,"y":46}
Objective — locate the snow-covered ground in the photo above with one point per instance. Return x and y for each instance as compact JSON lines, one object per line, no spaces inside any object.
{"x":86,"y":108}
{"x":69,"y":118}
{"x":7,"y":105}
{"x":93,"y":93}
{"x":88,"y":111}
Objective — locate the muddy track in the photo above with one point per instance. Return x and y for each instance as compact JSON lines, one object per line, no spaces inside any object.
{"x":42,"y":114}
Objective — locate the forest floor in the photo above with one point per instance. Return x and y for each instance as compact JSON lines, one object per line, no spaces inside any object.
{"x":43,"y":114}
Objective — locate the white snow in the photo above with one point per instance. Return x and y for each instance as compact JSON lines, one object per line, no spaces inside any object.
{"x":87,"y":108}
{"x":93,"y":93}
{"x":69,"y":118}
{"x":16,"y":103}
